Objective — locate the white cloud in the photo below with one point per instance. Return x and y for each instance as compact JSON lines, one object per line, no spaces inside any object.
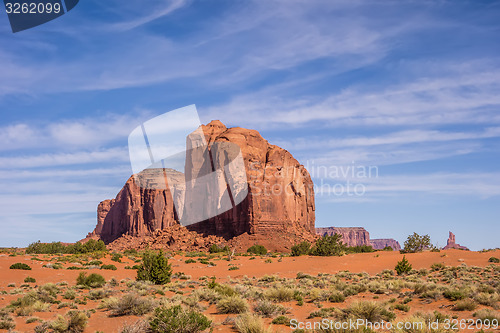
{"x":393,"y":138}
{"x":111,"y":155}
{"x":167,"y":8}
{"x":31,"y":174}
{"x":455,"y":96}
{"x":395,"y":187}
{"x":71,"y":134}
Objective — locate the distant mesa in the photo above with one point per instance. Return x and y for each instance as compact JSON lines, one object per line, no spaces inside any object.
{"x":278,"y":212}
{"x":451,"y":243}
{"x":358,"y":236}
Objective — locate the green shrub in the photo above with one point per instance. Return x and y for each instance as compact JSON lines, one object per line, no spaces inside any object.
{"x":371,"y":311}
{"x":465,"y":305}
{"x":177,"y":320}
{"x":20,"y":265}
{"x":57,"y":247}
{"x":360,"y":249}
{"x":232,"y":304}
{"x":280,"y":294}
{"x":336,"y":297}
{"x":416,"y":243}
{"x":328,"y":246}
{"x":214,"y":248}
{"x":388,"y":248}
{"x":402,"y":307}
{"x":257,"y":249}
{"x":109,"y":267}
{"x":154,"y":268}
{"x":268,"y":309}
{"x":6,"y":321}
{"x":130,"y":252}
{"x":437,"y":266}
{"x":117,"y":257}
{"x":486,"y":298}
{"x":281,"y":320}
{"x":69,"y":294}
{"x":403,"y":266}
{"x":487,"y":314}
{"x":140,"y":326}
{"x":494,"y":259}
{"x":190,"y":261}
{"x":323,"y":313}
{"x":74,"y":322}
{"x":92,"y":281}
{"x":454,"y":294}
{"x":29,"y":279}
{"x":301,"y":249}
{"x":131,"y":304}
{"x":249,"y":323}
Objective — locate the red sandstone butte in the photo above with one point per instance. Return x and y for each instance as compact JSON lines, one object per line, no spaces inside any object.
{"x":280,"y":200}
{"x":451,"y":244}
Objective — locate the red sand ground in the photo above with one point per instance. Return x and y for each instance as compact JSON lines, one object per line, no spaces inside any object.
{"x":371,"y":263}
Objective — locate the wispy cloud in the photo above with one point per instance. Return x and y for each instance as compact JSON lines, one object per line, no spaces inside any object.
{"x":392,"y":138}
{"x":454,"y":96}
{"x":71,"y":133}
{"x":397,"y":187}
{"x":111,"y":155}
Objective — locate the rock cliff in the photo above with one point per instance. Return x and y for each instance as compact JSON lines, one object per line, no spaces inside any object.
{"x":379,"y":244}
{"x":351,"y":236}
{"x":280,"y":195}
{"x":451,"y":243}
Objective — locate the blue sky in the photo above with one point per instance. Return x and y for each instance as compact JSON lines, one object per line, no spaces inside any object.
{"x":408,"y":87}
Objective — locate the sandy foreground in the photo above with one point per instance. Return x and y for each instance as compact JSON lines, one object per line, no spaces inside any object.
{"x":12,"y":285}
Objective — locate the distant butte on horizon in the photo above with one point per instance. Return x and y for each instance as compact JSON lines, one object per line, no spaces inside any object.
{"x":140,"y":217}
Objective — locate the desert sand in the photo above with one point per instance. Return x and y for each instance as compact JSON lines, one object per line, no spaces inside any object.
{"x":12,"y":285}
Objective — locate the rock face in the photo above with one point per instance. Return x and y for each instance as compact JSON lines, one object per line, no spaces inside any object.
{"x":451,"y":244}
{"x":280,"y":194}
{"x":351,"y":236}
{"x":379,"y":244}
{"x":135,"y":211}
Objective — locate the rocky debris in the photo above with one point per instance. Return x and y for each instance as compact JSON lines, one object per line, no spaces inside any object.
{"x":351,"y":236}
{"x":451,"y":243}
{"x":280,"y":198}
{"x":179,"y":238}
{"x":379,"y":244}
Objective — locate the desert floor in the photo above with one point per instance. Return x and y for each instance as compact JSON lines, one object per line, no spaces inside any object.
{"x":259,"y":278}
